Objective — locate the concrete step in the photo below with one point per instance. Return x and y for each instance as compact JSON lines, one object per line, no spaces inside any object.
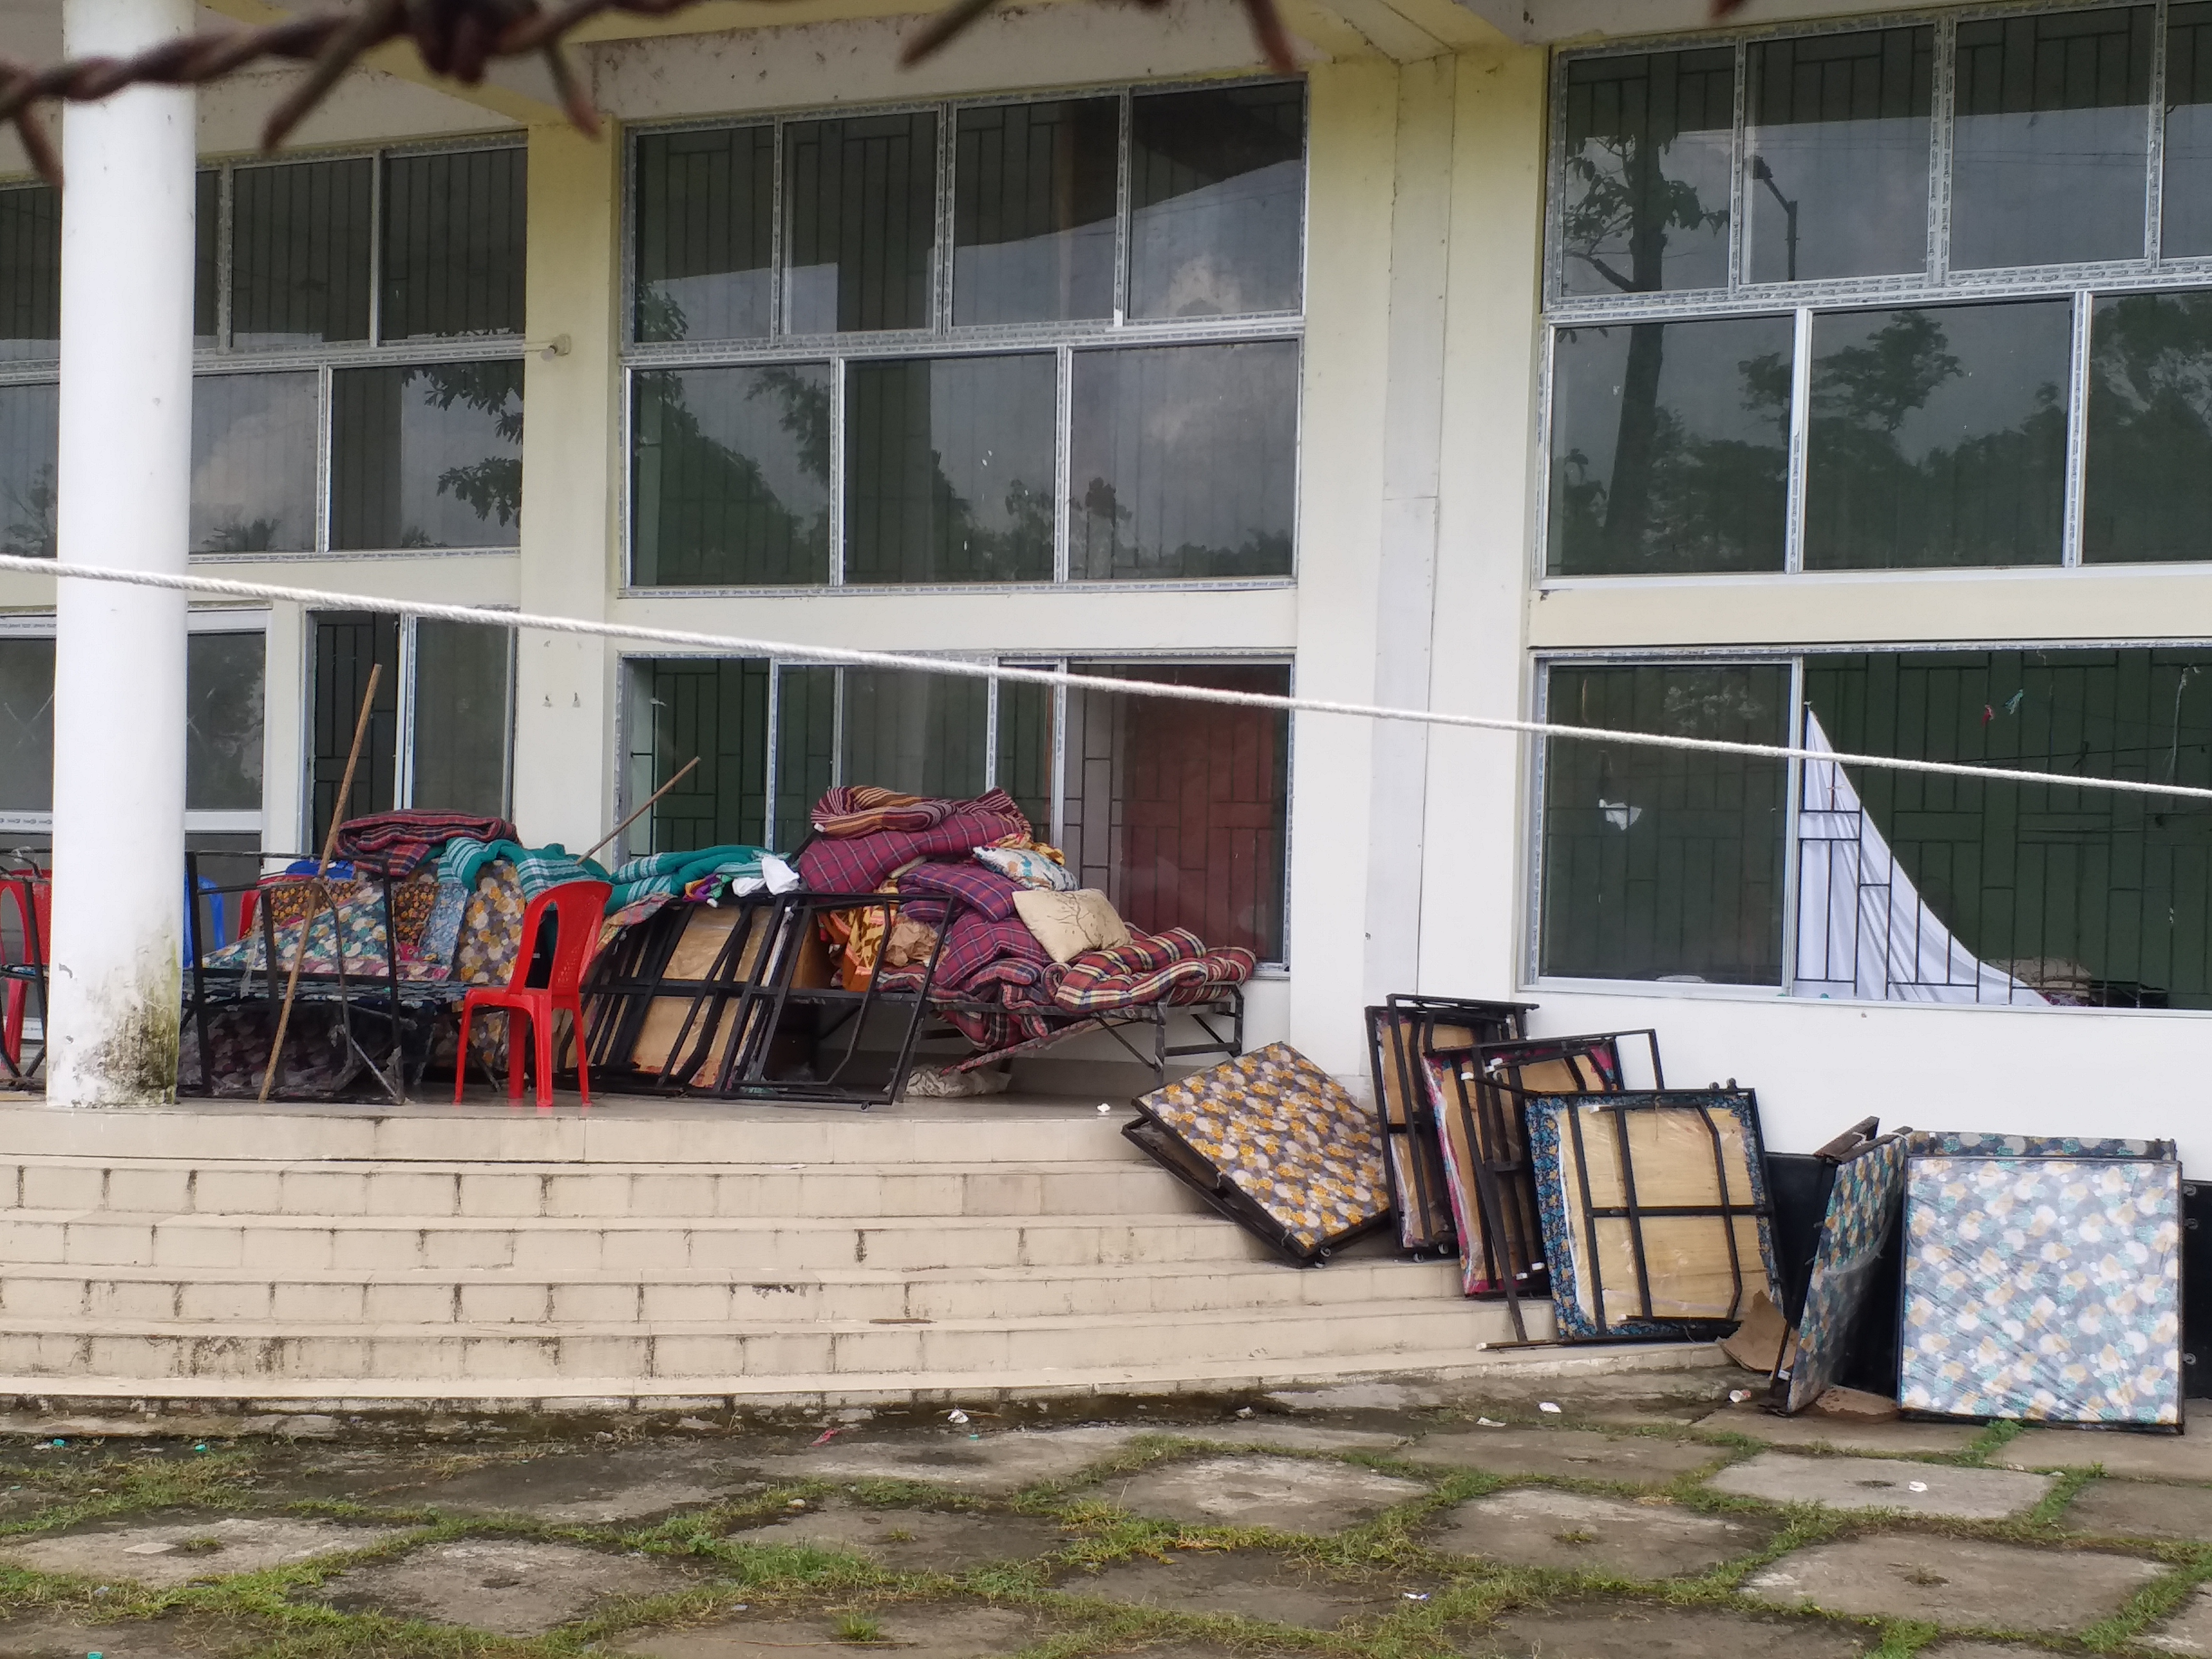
{"x":772,"y":1245}
{"x":707,"y":1352}
{"x":971,"y":1134}
{"x":270,"y":1186}
{"x":491,"y":1296}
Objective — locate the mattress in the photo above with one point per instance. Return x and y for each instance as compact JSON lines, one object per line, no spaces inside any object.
{"x":1275,"y":1143}
{"x":1865,"y":1200}
{"x":1399,"y":1035}
{"x":2043,"y":1285}
{"x":1655,"y":1210}
{"x":1479,"y":1095}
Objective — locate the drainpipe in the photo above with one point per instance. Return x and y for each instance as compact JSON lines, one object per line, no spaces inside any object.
{"x":124,"y":484}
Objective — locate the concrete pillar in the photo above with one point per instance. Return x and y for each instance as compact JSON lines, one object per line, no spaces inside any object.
{"x":124,"y":488}
{"x":563,"y":718}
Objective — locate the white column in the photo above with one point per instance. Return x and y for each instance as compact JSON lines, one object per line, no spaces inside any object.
{"x":125,"y":491}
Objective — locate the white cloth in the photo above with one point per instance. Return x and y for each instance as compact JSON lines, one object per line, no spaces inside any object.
{"x":1862,"y":929}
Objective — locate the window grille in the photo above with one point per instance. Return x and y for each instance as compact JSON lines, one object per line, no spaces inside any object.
{"x":937,"y":345}
{"x":1826,"y":881}
{"x":354,"y":319}
{"x":1853,"y":297}
{"x":1178,"y":811}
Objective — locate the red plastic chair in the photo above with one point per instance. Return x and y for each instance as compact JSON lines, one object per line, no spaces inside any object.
{"x":33,"y":896}
{"x":579,"y":906}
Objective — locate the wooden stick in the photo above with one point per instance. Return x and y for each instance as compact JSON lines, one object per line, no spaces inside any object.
{"x":316,"y":893}
{"x":643,"y":810}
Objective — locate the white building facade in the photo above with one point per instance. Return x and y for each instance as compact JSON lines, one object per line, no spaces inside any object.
{"x":1833,"y":379}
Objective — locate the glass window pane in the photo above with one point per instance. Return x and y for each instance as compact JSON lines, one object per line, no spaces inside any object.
{"x":1025,"y":758}
{"x":917,"y":732}
{"x":253,"y":463}
{"x":300,"y":248}
{"x":715,"y":709}
{"x":30,"y":272}
{"x":950,"y":468}
{"x":463,"y":717}
{"x":1838,"y":141}
{"x":1646,"y":183}
{"x":347,"y":644}
{"x":2050,"y":143}
{"x":1217,"y":201}
{"x":705,"y":203}
{"x":452,"y":244}
{"x":2147,"y":490}
{"x":222,"y":722}
{"x":29,"y":433}
{"x":1183,"y":461}
{"x":1938,"y":436}
{"x":1669,"y":446}
{"x":27,"y":726}
{"x":2080,"y":896}
{"x":1179,"y":811}
{"x":1033,"y":207}
{"x":429,"y":455}
{"x":730,"y":482}
{"x":861,"y":221}
{"x":2185,"y":200}
{"x":1665,"y":864}
{"x":207,"y":212}
{"x":805,"y":749}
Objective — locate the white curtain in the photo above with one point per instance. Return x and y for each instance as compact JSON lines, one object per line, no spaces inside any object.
{"x":1862,"y":929}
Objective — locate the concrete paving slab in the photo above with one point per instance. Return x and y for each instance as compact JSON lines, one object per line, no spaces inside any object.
{"x":934,"y":1631}
{"x":1290,"y":1494}
{"x":2141,"y":1509}
{"x":51,"y":1637}
{"x":1955,"y":1582}
{"x":2188,"y":1630}
{"x":1584,"y":1454}
{"x":1881,"y":1483}
{"x":1250,"y":1584}
{"x":1295,"y":1437}
{"x":1982,"y":1650}
{"x":915,"y":1541}
{"x":1598,"y":1631}
{"x":994,"y":1463}
{"x":2185,"y":1457}
{"x":1544,"y":1527}
{"x":378,"y":1475}
{"x":167,"y":1553}
{"x":587,"y":1488}
{"x":511,"y":1586}
{"x":1843,"y":1434}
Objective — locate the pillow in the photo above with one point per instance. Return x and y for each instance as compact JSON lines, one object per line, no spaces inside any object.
{"x":1068,"y":924}
{"x":1030,"y":868}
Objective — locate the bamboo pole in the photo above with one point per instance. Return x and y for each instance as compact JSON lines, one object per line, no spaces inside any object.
{"x":316,"y":893}
{"x":643,"y":810}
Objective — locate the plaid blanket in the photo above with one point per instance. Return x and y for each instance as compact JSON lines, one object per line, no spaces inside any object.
{"x":982,"y":890}
{"x":1173,"y":966}
{"x":862,"y":809}
{"x":401,"y":842}
{"x":857,"y":864}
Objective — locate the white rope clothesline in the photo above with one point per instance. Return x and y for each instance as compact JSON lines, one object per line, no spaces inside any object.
{"x":223,"y":587}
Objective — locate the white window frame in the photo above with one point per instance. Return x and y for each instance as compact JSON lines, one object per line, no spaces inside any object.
{"x":943,"y":338}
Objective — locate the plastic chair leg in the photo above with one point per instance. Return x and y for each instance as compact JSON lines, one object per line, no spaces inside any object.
{"x":542,"y":1031}
{"x":583,"y":1065}
{"x":461,"y":1058}
{"x":518,"y":1021}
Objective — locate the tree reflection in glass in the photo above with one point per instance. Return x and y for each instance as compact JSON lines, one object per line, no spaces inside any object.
{"x":730,"y":482}
{"x":426,"y":455}
{"x":1837,"y":149}
{"x":1669,"y":444}
{"x":2147,"y":491}
{"x":1647,"y":172}
{"x":1938,"y":437}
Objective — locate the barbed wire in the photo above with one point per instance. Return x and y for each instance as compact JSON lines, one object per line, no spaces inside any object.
{"x":459,"y":39}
